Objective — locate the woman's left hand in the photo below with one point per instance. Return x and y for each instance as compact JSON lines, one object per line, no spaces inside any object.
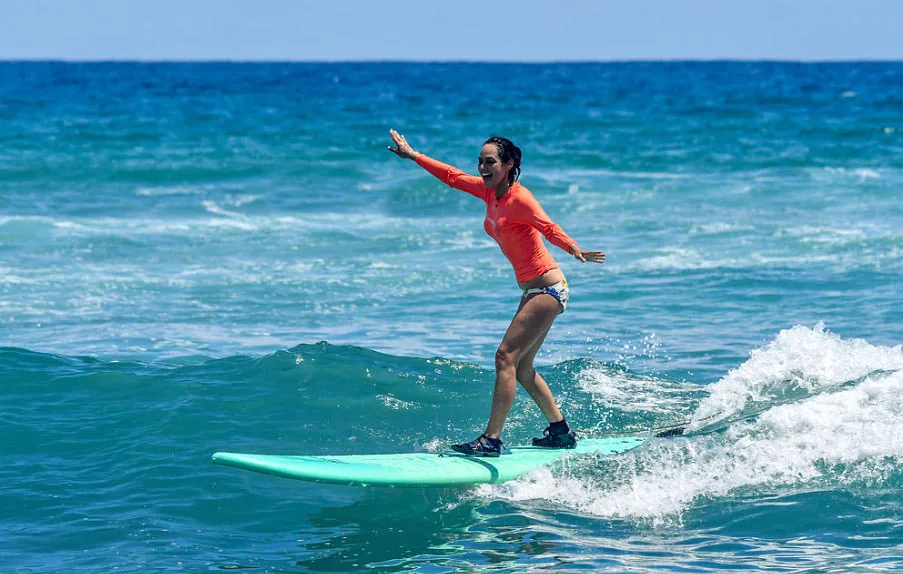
{"x":584,"y":256}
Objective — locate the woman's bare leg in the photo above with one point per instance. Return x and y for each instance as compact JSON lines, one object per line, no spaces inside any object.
{"x":530,"y":324}
{"x":535,"y":385}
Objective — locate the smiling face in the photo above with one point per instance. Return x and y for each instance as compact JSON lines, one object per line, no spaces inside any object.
{"x":493,"y":171}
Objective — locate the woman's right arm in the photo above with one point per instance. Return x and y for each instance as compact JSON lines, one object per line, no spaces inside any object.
{"x":449,"y":175}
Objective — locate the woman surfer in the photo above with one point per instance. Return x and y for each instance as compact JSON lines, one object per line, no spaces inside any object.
{"x":517,"y":222}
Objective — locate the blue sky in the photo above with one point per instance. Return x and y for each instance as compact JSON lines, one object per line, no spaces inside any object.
{"x":492,"y":30}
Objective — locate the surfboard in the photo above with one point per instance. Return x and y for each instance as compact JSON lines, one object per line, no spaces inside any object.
{"x":448,"y":469}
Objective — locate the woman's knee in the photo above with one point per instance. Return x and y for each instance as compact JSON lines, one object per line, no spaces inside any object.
{"x":505,"y":359}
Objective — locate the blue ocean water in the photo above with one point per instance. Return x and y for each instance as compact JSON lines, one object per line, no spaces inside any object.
{"x":204,"y":257}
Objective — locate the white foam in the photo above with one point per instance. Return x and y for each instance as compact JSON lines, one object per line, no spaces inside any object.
{"x":862,"y":173}
{"x":852,"y":436}
{"x":167,"y":191}
{"x":680,"y":259}
{"x":395,"y":403}
{"x":70,"y":226}
{"x":244,"y":199}
{"x":719,"y":227}
{"x":630,"y":393}
{"x":827,"y":235}
{"x":798,"y":359}
{"x":8,"y":277}
{"x":232,"y":224}
{"x":435,"y":445}
{"x":212,"y":207}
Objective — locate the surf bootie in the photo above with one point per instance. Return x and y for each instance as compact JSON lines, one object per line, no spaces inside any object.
{"x":481,"y":446}
{"x":557,"y":435}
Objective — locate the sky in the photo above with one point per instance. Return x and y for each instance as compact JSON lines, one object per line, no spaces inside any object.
{"x":451,"y":30}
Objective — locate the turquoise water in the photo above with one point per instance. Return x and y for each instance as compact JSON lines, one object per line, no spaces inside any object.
{"x":204,"y":257}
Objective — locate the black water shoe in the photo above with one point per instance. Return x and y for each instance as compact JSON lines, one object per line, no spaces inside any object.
{"x":481,"y":446}
{"x":552,"y":439}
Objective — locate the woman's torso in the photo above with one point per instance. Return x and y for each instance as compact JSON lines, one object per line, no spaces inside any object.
{"x":533,"y":265}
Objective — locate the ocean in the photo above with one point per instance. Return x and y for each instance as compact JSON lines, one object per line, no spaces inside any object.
{"x":201,"y":257}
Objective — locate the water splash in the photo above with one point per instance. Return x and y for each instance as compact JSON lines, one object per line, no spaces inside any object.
{"x":833,"y":420}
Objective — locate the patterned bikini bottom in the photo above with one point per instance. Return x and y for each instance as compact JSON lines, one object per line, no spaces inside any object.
{"x":559,"y":291}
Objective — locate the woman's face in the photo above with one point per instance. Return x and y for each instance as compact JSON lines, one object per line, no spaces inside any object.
{"x":492,"y":169}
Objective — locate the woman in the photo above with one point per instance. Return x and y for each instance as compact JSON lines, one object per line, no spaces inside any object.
{"x":515,"y":220}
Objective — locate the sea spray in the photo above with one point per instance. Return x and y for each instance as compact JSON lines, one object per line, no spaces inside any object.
{"x":838,"y":437}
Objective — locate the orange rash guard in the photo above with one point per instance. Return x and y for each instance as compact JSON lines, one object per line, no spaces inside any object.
{"x":515,"y":221}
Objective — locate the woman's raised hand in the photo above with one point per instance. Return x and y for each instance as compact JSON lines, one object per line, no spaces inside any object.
{"x":584,"y":256}
{"x":402,"y":149}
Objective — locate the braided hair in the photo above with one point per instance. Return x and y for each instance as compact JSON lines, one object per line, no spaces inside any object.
{"x":507,"y":152}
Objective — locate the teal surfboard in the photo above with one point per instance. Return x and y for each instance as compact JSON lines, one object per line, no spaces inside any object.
{"x":418,"y":469}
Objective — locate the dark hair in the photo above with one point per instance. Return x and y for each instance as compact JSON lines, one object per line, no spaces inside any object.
{"x":507,"y":152}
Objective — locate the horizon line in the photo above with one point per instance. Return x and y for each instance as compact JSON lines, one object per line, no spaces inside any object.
{"x":444,"y":61}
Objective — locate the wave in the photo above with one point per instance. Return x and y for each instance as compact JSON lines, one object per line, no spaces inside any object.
{"x":385,"y":401}
{"x":809,"y":411}
{"x":800,"y":362}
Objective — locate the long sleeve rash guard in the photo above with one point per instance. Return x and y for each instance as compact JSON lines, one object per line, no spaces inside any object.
{"x":515,"y":221}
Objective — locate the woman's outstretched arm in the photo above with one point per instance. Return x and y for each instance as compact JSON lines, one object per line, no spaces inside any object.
{"x":449,"y":175}
{"x":530,"y":212}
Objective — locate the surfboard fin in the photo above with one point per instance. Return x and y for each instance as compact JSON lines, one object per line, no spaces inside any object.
{"x":676,"y":431}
